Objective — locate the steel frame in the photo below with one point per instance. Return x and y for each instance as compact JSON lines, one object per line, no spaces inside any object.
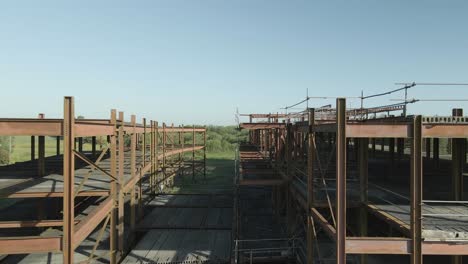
{"x":110,"y":211}
{"x":288,"y":143}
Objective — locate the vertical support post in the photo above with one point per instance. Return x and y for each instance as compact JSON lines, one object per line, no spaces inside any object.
{"x":57,"y":146}
{"x":428,"y":149}
{"x":310,"y":185}
{"x":193,"y":152}
{"x":458,"y":162}
{"x":68,"y":180}
{"x":373,"y":147}
{"x":133,"y":145}
{"x":251,"y":140}
{"x":363,"y":180}
{"x":41,"y":171}
{"x":113,"y":190}
{"x":121,"y":202}
{"x":391,"y":150}
{"x":182,"y":146}
{"x":80,"y":144}
{"x":41,"y":155}
{"x":156,"y":151}
{"x":204,"y":154}
{"x":341,"y":181}
{"x":41,"y":152}
{"x":435,"y":141}
{"x":152,"y":158}
{"x":171,"y":180}
{"x":180,"y":153}
{"x":400,"y":148}
{"x":93,"y":145}
{"x":287,"y":199}
{"x":33,"y":147}
{"x":416,"y":191}
{"x":143,"y":151}
{"x":164,"y":149}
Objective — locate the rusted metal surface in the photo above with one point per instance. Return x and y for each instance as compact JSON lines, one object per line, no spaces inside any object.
{"x":25,"y":245}
{"x":341,"y":182}
{"x":416,"y":192}
{"x":68,"y":247}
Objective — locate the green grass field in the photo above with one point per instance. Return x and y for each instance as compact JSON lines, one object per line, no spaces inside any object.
{"x":219,"y":176}
{"x":22,"y":148}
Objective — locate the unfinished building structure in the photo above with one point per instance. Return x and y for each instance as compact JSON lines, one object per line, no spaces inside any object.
{"x":86,"y":205}
{"x":354,"y":186}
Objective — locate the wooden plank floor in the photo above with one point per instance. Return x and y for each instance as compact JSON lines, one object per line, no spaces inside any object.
{"x":199,"y":230}
{"x":182,"y":246}
{"x":452,"y":226}
{"x":22,"y":177}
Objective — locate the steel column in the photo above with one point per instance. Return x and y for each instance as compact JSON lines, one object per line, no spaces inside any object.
{"x":310,"y":185}
{"x":363,"y":158}
{"x":113,"y":190}
{"x":57,"y":146}
{"x":341,"y":181}
{"x":458,"y":163}
{"x":193,"y":153}
{"x":204,"y":154}
{"x":68,"y":180}
{"x":93,"y":145}
{"x":416,"y":192}
{"x":33,"y":147}
{"x":133,"y":144}
{"x":436,"y":152}
{"x":121,"y":184}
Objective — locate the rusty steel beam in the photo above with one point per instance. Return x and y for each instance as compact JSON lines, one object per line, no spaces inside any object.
{"x":445,"y":131}
{"x":46,"y":194}
{"x":262,"y":125}
{"x":54,"y":127}
{"x":310,"y":184}
{"x":68,"y":180}
{"x":402,"y":246}
{"x":269,"y":182}
{"x":378,"y":245}
{"x":416,"y":192}
{"x":31,"y":244}
{"x":444,"y":248}
{"x":114,"y":192}
{"x":32,"y":223}
{"x":458,"y":163}
{"x":380,"y":130}
{"x":133,"y":204}
{"x":327,"y":227}
{"x":121,"y":183}
{"x":377,"y":129}
{"x":193,"y":153}
{"x":31,"y":127}
{"x":363,"y":167}
{"x":341,"y":181}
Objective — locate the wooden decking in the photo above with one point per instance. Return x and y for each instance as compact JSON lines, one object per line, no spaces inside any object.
{"x":440,"y":221}
{"x":182,"y":246}
{"x":185,"y":228}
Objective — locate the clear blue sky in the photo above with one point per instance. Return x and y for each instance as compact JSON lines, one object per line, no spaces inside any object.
{"x":196,"y":61}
